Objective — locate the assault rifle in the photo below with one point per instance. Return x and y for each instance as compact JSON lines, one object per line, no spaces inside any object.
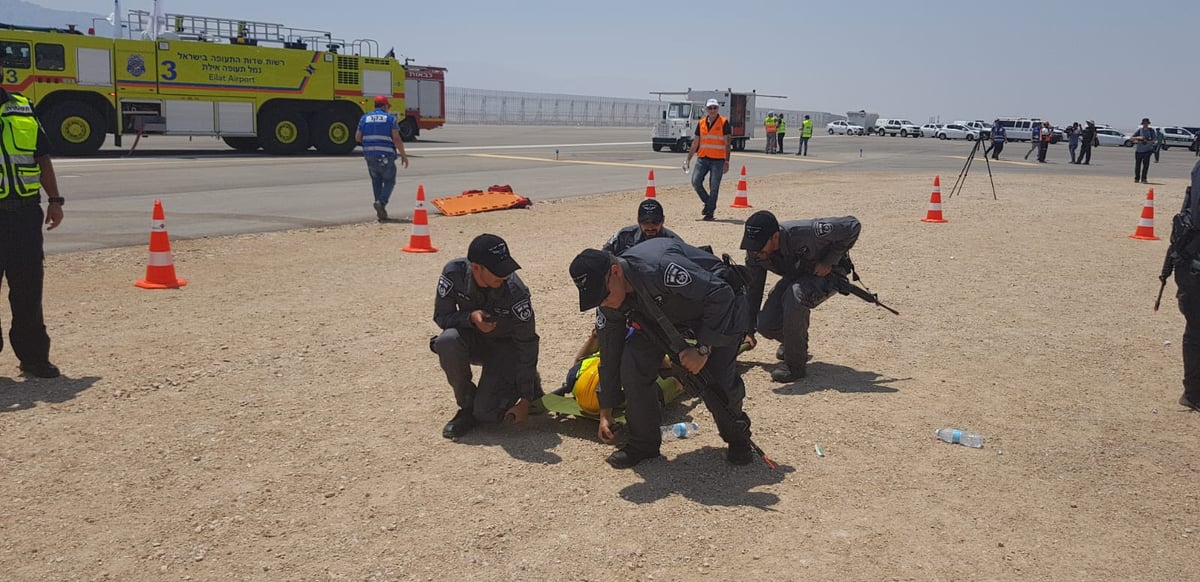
{"x":845,"y":287}
{"x":1181,"y":237}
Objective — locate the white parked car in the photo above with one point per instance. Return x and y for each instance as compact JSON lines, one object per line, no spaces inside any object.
{"x":1112,"y":137}
{"x":956,"y":131}
{"x":843,"y":127}
{"x":930,"y":130}
{"x":1176,"y":137}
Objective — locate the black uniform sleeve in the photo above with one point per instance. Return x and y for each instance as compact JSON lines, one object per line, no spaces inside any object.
{"x":1192,"y":202}
{"x":610,"y":329}
{"x":446,"y":313}
{"x":713,"y":293}
{"x":524,"y":335}
{"x":757,"y":287}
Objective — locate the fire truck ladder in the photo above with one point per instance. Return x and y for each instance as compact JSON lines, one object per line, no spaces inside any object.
{"x":249,"y":32}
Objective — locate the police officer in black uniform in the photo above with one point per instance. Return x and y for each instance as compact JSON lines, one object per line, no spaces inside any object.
{"x":1185,"y":253}
{"x":484,"y":311}
{"x":650,"y":225}
{"x":25,"y":171}
{"x":803,"y":253}
{"x":683,"y":282}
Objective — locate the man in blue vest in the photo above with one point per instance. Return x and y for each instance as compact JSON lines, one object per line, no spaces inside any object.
{"x":999,"y":136}
{"x":379,"y":134}
{"x":25,"y":169}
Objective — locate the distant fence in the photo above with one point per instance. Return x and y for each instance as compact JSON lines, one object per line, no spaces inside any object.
{"x":487,"y":107}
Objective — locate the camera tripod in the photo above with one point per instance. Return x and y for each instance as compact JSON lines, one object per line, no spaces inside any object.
{"x":962,"y":175}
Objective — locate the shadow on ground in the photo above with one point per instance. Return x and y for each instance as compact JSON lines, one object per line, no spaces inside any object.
{"x":722,"y":484}
{"x":531,"y":442}
{"x":825,"y":376}
{"x":24,"y":395}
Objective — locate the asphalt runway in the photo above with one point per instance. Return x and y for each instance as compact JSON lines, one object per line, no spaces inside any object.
{"x":208,"y":190}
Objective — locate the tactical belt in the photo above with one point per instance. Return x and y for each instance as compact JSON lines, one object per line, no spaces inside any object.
{"x":15,"y":203}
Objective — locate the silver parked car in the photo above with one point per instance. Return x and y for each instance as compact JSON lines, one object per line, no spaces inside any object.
{"x":1111,"y":137}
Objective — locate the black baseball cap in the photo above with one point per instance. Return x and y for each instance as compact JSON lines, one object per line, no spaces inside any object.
{"x":589,"y":271}
{"x":491,"y":252}
{"x":759,"y":228}
{"x":649,"y":210}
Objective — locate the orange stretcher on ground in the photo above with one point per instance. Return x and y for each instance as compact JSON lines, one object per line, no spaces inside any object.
{"x":474,"y":201}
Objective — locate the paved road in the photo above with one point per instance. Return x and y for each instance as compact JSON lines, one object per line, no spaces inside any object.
{"x":208,"y":190}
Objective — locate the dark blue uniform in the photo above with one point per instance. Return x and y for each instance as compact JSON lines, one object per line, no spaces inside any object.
{"x":1187,"y":279}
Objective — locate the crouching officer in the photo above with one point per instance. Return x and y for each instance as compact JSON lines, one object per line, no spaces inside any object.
{"x":484,"y":311}
{"x":650,"y":220}
{"x":803,"y":253}
{"x":25,"y":169}
{"x":664,"y":280}
{"x":1184,"y":257}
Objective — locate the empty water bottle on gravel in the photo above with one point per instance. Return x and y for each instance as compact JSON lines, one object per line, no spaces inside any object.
{"x":958,"y":437}
{"x":679,"y":430}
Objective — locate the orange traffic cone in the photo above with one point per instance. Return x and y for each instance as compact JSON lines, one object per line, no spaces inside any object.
{"x":160,"y":268}
{"x":935,"y":203}
{"x":1145,"y":227}
{"x":650,"y":191}
{"x":419,"y":241}
{"x":741,"y":201}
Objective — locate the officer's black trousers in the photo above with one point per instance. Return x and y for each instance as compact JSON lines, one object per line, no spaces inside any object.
{"x":785,"y":318}
{"x":997,"y":147}
{"x":1085,"y":153}
{"x":640,"y":363}
{"x":21,"y":265}
{"x":457,"y":349}
{"x":1189,"y":304}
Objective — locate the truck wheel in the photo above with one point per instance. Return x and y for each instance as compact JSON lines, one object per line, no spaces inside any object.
{"x":75,"y":128}
{"x":831,"y":131}
{"x":903,"y":133}
{"x":241,"y":144}
{"x":408,"y":130}
{"x":334,"y":132}
{"x":283,"y":131}
{"x":656,"y":147}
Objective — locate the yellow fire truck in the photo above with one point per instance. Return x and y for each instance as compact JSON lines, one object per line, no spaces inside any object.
{"x":253,"y":84}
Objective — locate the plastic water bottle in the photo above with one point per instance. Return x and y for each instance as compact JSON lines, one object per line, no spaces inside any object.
{"x":679,"y":430}
{"x":958,"y":437}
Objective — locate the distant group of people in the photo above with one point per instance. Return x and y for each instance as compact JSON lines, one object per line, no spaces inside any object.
{"x":1082,"y":138}
{"x":776,"y":127}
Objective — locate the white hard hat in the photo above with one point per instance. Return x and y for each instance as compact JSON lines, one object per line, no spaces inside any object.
{"x":712,"y":103}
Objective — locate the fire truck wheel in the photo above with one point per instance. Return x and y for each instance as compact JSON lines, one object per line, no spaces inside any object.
{"x":283,"y":131}
{"x":333,"y":132}
{"x":74,"y":128}
{"x":408,"y":130}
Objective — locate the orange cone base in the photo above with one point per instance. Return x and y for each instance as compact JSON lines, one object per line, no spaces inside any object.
{"x":739,"y":203}
{"x":934,"y":219}
{"x":419,"y":250}
{"x":419,"y":244}
{"x":1143,"y":237}
{"x":144,"y":284}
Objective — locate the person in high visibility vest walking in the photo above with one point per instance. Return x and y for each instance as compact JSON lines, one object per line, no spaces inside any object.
{"x":771,"y":124}
{"x":781,"y":129}
{"x":26,"y":170}
{"x":711,"y":146}
{"x":379,"y":134}
{"x":806,"y":128}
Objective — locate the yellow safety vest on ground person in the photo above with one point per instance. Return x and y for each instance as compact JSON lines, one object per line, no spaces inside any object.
{"x":712,"y":139}
{"x":782,"y":127}
{"x":20,"y":173}
{"x":771,"y":124}
{"x":806,"y":128}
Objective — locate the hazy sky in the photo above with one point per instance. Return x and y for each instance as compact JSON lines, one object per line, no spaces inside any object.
{"x":1065,"y":60}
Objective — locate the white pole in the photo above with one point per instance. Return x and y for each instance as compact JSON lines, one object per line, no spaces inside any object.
{"x":117,"y":18}
{"x":158,"y":22}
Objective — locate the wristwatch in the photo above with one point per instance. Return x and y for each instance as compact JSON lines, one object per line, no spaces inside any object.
{"x":703,"y":350}
{"x":59,"y":200}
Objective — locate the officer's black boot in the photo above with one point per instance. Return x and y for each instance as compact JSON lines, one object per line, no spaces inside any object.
{"x":739,"y":453}
{"x":1191,"y":377}
{"x":461,"y":424}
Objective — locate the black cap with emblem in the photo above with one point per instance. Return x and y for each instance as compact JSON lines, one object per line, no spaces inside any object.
{"x":491,"y":252}
{"x":649,"y":210}
{"x":589,"y":271}
{"x":759,"y":228}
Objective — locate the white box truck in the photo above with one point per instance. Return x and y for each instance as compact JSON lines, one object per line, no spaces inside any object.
{"x":680,"y":119}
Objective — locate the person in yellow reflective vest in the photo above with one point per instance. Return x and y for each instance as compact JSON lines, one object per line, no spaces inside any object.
{"x":26,"y":171}
{"x":711,"y":146}
{"x":781,"y":129}
{"x":805,"y":134}
{"x":771,"y":125}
